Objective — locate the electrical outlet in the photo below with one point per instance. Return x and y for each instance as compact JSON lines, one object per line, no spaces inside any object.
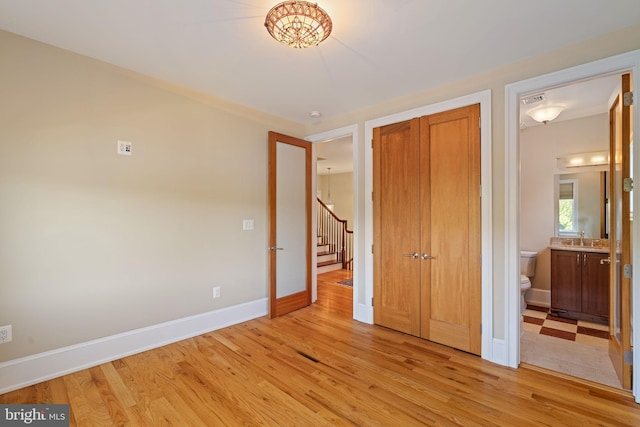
{"x":5,"y":334}
{"x":216,"y":292}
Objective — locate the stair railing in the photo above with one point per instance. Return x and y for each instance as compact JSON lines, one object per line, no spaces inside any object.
{"x":333,"y":232}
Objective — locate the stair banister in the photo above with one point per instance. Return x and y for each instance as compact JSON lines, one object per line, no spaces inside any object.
{"x":334,"y":232}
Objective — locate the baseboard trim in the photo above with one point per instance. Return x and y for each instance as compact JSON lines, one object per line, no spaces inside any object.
{"x":499,"y":352}
{"x":538,"y":297}
{"x":29,"y":370}
{"x":363,"y":313}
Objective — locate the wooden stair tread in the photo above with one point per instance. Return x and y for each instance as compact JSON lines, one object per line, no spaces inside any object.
{"x":326,"y":253}
{"x":323,"y":263}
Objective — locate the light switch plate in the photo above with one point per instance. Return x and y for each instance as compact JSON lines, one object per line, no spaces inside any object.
{"x":124,"y":147}
{"x":247,"y":224}
{"x":5,"y":334}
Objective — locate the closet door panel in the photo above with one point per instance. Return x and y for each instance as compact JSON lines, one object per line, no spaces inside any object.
{"x":396,"y":198}
{"x":451,"y":229}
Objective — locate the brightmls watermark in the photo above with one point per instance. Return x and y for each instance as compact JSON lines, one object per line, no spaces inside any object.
{"x":34,"y":415}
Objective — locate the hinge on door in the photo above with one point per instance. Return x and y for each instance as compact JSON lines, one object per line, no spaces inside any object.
{"x":627,"y":99}
{"x":371,"y":302}
{"x":371,"y":248}
{"x":628,"y":357}
{"x":481,"y":191}
{"x":479,"y":123}
{"x":481,"y":329}
{"x":627,"y":270}
{"x":627,"y":184}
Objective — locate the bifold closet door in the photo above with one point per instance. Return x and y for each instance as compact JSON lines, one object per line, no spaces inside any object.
{"x":427,"y":267}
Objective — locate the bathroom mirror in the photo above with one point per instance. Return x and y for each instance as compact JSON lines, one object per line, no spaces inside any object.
{"x":581,"y":204}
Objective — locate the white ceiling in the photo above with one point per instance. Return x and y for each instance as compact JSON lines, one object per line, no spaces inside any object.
{"x":378,"y":50}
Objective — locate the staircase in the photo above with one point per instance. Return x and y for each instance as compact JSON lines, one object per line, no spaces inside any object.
{"x":335,"y":241}
{"x":327,"y":258}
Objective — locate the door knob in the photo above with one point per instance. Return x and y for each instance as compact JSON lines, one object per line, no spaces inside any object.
{"x":414,"y":255}
{"x":275,"y":248}
{"x":427,"y":256}
{"x":605,"y":261}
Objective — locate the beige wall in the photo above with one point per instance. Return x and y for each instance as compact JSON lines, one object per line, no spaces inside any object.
{"x":539,"y":148}
{"x":341,"y":194}
{"x":94,"y":244}
{"x":495,"y":80}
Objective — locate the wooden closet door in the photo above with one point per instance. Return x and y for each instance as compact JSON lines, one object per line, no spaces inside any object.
{"x":427,"y":242}
{"x":396,"y":225}
{"x":451,"y":228}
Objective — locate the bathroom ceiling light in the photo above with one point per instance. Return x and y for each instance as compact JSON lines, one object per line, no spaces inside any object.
{"x":545,"y":114}
{"x":298,"y":24}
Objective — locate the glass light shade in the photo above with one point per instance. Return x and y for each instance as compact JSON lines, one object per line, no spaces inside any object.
{"x":298,"y":24}
{"x":330,"y":203}
{"x":545,"y":114}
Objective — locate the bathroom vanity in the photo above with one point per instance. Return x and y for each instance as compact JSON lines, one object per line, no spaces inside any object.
{"x":580,"y":282}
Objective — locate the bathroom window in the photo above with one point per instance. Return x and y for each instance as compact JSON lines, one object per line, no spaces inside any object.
{"x":568,"y":208}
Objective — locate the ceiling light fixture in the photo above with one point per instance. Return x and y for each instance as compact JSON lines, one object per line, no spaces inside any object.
{"x":598,"y":158}
{"x":329,"y":203}
{"x":298,"y":24}
{"x":545,"y":114}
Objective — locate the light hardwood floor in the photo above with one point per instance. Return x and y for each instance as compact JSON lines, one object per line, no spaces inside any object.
{"x":317,"y":366}
{"x":334,"y":297}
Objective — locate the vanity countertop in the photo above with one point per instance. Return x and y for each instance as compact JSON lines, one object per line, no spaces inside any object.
{"x":578,"y":244}
{"x":578,"y":248}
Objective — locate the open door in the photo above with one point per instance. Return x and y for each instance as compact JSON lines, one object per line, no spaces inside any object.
{"x":290,"y":202}
{"x":620,"y":237}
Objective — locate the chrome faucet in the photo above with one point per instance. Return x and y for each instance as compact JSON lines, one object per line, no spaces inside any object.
{"x":582,"y":238}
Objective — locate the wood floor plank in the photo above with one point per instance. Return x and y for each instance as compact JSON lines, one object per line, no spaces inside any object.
{"x":87,"y":405}
{"x":120,"y":390}
{"x":315,"y":367}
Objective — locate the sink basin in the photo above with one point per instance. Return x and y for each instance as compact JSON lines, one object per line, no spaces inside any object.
{"x":578,"y":244}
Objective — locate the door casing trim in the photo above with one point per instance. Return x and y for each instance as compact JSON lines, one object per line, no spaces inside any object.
{"x":618,"y":64}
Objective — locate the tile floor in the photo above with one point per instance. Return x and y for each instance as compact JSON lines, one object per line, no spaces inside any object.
{"x":572,"y":347}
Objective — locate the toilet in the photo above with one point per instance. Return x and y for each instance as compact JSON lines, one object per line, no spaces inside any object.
{"x":527,"y":270}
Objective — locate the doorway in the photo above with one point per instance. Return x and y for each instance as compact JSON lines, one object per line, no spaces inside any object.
{"x":514,"y":92}
{"x":336,"y":149}
{"x":334,"y":215}
{"x":564,"y":179}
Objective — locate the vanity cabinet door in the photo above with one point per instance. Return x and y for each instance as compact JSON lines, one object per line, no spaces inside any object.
{"x":566,"y":286}
{"x":595,"y":285}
